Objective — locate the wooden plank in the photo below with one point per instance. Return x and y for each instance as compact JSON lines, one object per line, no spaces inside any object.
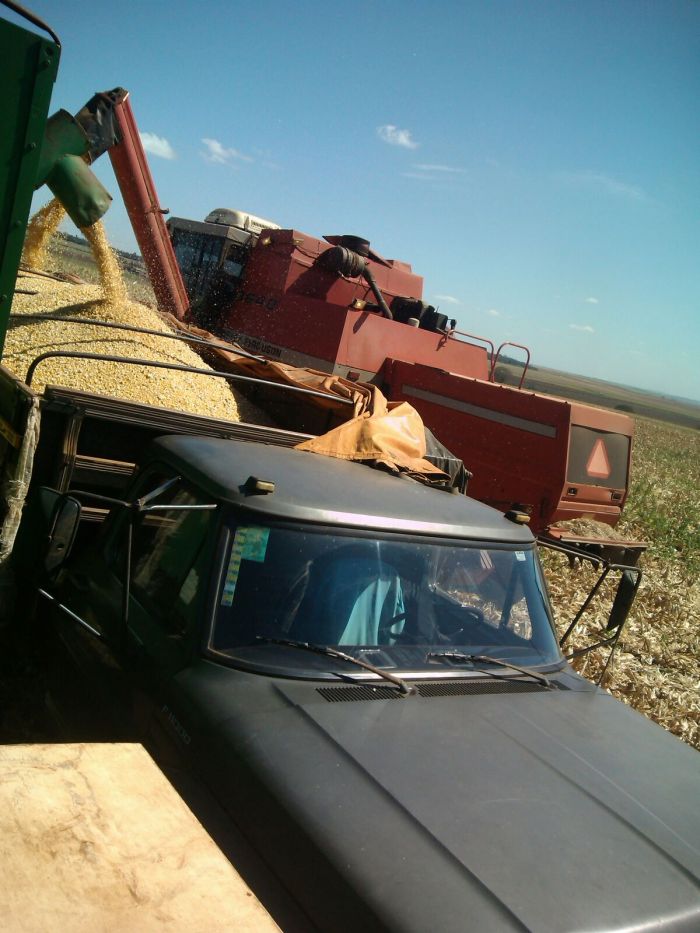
{"x":94,"y":838}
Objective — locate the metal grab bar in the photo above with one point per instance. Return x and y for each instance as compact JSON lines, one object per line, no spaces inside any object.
{"x":132,"y":328}
{"x":134,"y":361}
{"x":464,"y":333}
{"x":520,"y":346}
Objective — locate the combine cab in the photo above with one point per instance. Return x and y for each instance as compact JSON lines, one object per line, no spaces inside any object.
{"x":338,"y":306}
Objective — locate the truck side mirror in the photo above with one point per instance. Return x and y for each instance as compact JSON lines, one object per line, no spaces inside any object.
{"x":626,"y":591}
{"x":62,"y":527}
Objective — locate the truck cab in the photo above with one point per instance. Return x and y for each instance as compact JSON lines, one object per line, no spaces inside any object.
{"x":365,"y":673}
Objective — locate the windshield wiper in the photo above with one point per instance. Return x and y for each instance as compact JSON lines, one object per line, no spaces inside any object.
{"x":404,"y":688}
{"x":487,"y":659}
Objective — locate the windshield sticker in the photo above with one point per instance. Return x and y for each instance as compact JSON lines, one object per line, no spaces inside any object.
{"x":234,"y":566}
{"x":249,"y":543}
{"x":520,"y":555}
{"x":254,"y":545}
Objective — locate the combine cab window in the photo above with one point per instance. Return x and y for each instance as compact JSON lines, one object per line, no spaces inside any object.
{"x":198,"y":256}
{"x":234,"y":261}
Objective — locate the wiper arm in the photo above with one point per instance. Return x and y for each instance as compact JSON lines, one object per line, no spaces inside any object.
{"x":404,"y":688}
{"x":487,"y":659}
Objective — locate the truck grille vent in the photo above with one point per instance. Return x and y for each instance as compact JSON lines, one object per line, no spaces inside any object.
{"x":462,"y":688}
{"x":351,"y":694}
{"x":435,"y":689}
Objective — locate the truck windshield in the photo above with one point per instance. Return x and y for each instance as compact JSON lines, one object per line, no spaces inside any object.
{"x":391,"y":600}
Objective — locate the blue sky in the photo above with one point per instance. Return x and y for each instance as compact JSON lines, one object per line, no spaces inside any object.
{"x":536,"y":162}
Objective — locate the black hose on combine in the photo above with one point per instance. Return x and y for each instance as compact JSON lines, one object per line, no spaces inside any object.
{"x":353,"y":262}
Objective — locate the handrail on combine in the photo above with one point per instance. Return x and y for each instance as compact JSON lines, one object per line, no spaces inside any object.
{"x":509,"y":343}
{"x":464,"y":333}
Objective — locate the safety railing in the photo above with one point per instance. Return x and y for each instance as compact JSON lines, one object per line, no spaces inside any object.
{"x":464,"y":333}
{"x":519,"y":346}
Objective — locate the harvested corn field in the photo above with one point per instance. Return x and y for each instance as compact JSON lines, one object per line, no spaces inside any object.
{"x":189,"y":392}
{"x":657,"y":669}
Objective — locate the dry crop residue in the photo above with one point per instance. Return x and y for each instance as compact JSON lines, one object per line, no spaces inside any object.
{"x":657,"y":669}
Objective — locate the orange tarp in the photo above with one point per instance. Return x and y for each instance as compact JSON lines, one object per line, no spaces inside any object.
{"x":392,"y":435}
{"x":372,"y":430}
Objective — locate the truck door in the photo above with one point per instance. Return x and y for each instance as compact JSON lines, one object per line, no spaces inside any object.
{"x":170,"y":557}
{"x":170,"y":560}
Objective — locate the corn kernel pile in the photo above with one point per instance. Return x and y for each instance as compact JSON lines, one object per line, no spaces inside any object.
{"x":40,"y":294}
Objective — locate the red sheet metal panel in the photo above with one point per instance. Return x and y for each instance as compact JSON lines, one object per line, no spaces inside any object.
{"x":284,"y":261}
{"x":517,"y":443}
{"x":141,"y":201}
{"x":292,"y":309}
{"x":368,"y":339}
{"x":295,"y":329}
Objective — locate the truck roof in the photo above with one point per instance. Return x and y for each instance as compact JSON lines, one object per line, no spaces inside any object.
{"x":313,"y":488}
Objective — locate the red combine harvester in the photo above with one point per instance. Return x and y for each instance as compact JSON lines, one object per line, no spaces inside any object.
{"x":338,"y":306}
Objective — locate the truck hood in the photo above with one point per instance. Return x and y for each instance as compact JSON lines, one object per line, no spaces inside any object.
{"x":552,"y":810}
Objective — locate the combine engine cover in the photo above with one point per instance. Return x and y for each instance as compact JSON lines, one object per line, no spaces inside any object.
{"x":290,"y":305}
{"x":291,"y":302}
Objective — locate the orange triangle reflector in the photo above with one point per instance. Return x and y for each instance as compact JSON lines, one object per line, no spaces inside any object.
{"x":598,"y":464}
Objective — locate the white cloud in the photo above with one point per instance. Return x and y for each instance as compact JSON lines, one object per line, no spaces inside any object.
{"x":396,"y":137}
{"x":605,"y":183}
{"x":222,"y":155}
{"x":592,"y":301}
{"x":493,"y":312}
{"x":440,"y":168}
{"x":582,"y":328}
{"x":157,"y":145}
{"x":448,"y":299}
